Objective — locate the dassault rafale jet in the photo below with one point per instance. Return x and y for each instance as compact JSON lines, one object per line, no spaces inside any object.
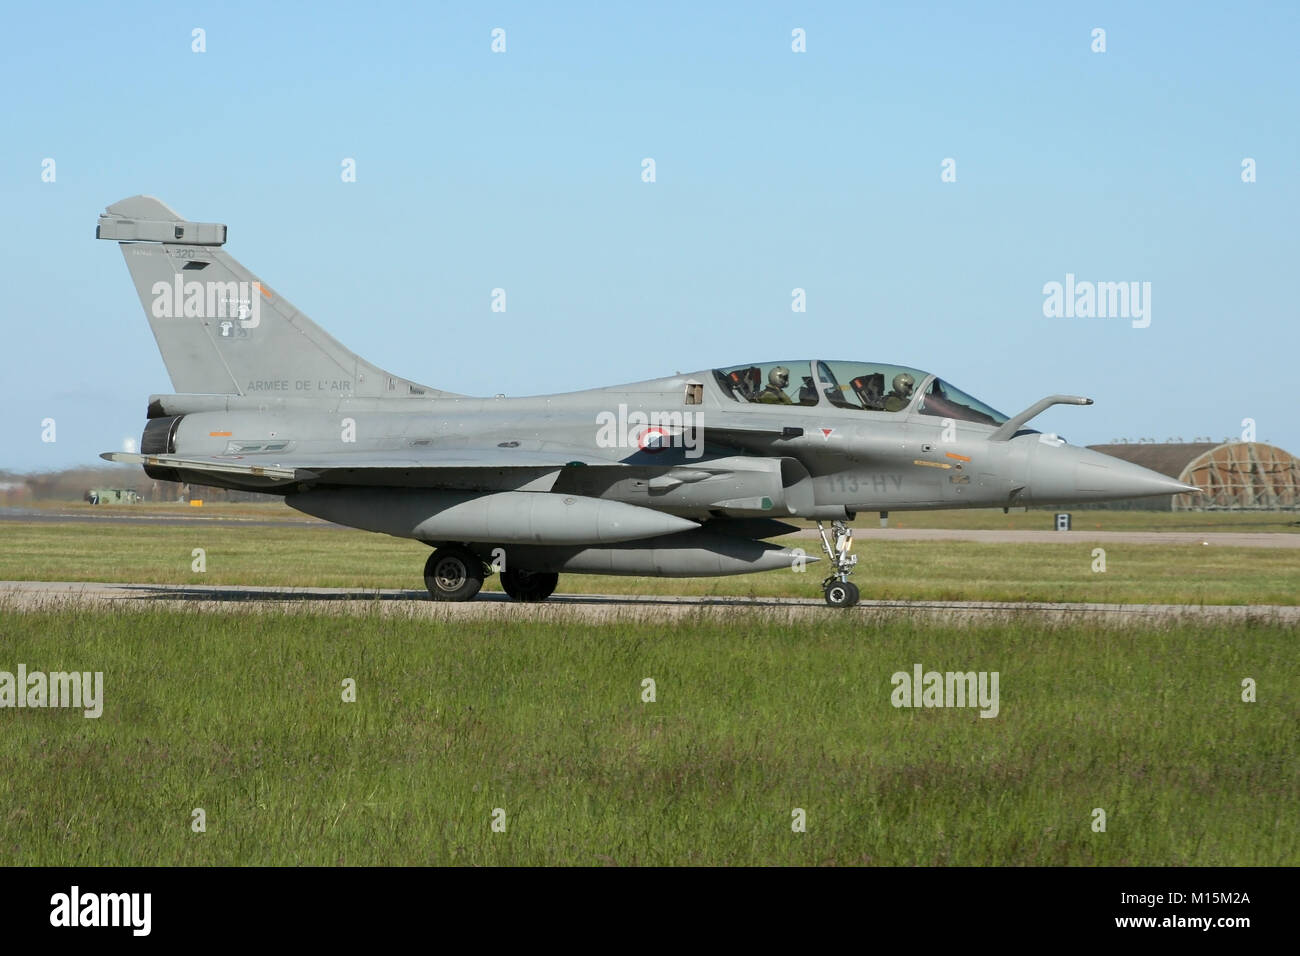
{"x":683,"y":476}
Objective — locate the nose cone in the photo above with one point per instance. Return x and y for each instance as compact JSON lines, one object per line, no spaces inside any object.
{"x":1063,"y":474}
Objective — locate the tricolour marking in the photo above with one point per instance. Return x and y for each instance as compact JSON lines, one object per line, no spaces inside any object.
{"x":653,"y":440}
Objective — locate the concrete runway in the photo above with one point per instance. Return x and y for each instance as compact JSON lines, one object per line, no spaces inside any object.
{"x":37,"y":595}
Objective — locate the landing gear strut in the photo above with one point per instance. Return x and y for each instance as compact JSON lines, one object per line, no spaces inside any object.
{"x":453,"y":574}
{"x":839,"y":590}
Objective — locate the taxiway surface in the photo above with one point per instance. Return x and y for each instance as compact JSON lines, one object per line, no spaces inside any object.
{"x":47,"y":595}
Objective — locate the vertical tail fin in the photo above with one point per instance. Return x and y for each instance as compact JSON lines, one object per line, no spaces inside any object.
{"x":219,"y":328}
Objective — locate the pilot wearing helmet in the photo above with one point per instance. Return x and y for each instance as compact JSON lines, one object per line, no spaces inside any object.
{"x":901,"y":395}
{"x":774,"y":394}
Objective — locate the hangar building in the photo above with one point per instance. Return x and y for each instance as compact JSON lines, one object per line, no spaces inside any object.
{"x":1235,"y":476}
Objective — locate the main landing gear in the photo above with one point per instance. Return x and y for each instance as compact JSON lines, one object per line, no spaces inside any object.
{"x":529,"y":586}
{"x":453,"y":573}
{"x":839,"y":590}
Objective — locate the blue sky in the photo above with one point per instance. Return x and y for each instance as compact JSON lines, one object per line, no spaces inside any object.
{"x":775,"y":170}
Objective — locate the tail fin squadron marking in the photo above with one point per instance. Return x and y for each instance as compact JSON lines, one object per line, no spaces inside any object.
{"x":219,"y":328}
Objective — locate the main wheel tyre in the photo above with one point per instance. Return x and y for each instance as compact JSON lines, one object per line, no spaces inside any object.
{"x":453,"y":574}
{"x":529,"y":586}
{"x":842,"y":594}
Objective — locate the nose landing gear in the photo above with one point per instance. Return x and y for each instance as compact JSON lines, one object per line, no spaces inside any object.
{"x":839,"y":590}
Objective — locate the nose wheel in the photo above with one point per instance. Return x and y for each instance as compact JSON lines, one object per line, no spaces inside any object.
{"x":837,"y":545}
{"x":841,"y":594}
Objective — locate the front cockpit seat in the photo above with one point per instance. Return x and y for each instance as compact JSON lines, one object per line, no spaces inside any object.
{"x":807,"y":392}
{"x":870,"y":390}
{"x":747,"y":383}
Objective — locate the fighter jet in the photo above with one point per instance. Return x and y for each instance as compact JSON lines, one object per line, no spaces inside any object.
{"x":681,"y":476}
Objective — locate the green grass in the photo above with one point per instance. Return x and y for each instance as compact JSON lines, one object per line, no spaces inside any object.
{"x":890,"y":570}
{"x":241,"y":714}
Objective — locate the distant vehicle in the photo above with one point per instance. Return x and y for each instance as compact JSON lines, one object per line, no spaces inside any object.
{"x":680,"y":476}
{"x":112,"y":496}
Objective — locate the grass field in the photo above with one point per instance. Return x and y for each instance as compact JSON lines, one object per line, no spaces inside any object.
{"x":243,"y":716}
{"x":950,"y":570}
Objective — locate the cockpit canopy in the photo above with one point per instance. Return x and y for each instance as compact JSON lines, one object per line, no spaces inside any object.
{"x":945,"y":401}
{"x":860,"y":386}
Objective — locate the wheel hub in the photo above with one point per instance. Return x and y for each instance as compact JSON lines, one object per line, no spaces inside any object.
{"x":450,"y":573}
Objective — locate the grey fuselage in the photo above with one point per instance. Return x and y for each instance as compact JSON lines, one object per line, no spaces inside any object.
{"x":831,"y":462}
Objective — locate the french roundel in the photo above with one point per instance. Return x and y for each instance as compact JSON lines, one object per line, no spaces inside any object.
{"x":653,"y":440}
